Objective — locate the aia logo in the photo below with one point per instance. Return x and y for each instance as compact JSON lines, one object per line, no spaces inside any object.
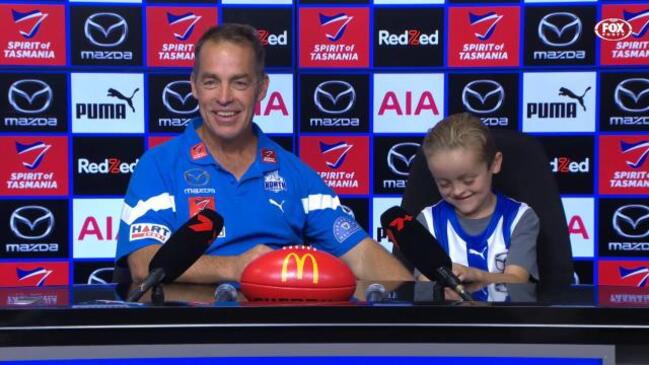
{"x":182,"y":25}
{"x":639,"y":22}
{"x":484,"y":25}
{"x":32,"y":155}
{"x":273,"y":102}
{"x":335,"y":153}
{"x":639,"y":275}
{"x":29,"y":22}
{"x":334,"y":26}
{"x":40,"y":274}
{"x":576,"y":226}
{"x":405,"y":104}
{"x":639,"y":149}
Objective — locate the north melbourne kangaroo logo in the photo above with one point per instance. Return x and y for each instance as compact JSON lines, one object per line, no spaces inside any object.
{"x":567,"y":92}
{"x":116,"y":94}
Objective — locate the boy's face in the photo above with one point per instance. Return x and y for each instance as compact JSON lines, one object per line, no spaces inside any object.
{"x":464,"y":180}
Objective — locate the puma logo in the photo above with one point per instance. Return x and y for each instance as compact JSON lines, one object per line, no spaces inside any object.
{"x":478,"y":253}
{"x":279,"y":205}
{"x":567,"y":92}
{"x":116,"y":94}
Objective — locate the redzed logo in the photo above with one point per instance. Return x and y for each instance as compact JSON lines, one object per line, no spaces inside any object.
{"x":32,"y":35}
{"x":481,"y":37}
{"x":13,"y":274}
{"x":632,"y":49}
{"x":172,"y":33}
{"x":334,"y":37}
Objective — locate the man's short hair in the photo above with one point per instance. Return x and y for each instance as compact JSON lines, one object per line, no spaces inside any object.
{"x":241,"y":34}
{"x":461,"y":130}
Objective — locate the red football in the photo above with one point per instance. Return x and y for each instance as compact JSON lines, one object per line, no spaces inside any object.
{"x":298,"y":273}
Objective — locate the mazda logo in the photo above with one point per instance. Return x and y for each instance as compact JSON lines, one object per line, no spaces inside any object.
{"x":102,"y":275}
{"x":177,"y":97}
{"x":30,"y":96}
{"x":400,"y":157}
{"x":483,"y":96}
{"x":106,"y":29}
{"x":632,"y":221}
{"x":31,"y":222}
{"x":559,"y":29}
{"x":196,"y":177}
{"x":631,"y":95}
{"x":334,"y":97}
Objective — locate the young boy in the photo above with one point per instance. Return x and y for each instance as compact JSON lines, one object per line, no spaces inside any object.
{"x":490,"y":238}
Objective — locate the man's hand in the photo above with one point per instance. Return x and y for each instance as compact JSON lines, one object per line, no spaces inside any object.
{"x":512,"y":274}
{"x":468,"y":274}
{"x":247,"y":257}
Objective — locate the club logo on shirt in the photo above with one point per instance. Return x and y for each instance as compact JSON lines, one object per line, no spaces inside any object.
{"x":274,"y":182}
{"x":198,"y":151}
{"x":154,"y":231}
{"x":268,"y":156}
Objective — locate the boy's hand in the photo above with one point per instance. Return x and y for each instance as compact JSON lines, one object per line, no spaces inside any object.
{"x":467,"y":274}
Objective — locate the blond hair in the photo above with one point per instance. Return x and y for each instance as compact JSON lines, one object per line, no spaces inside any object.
{"x":462,"y":130}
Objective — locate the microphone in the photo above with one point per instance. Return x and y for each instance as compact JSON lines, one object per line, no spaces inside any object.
{"x":375,"y":293}
{"x":225,"y":292}
{"x":420,"y":247}
{"x":182,"y":249}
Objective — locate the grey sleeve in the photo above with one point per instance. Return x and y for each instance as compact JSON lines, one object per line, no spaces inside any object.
{"x":522,"y":249}
{"x":422,"y":220}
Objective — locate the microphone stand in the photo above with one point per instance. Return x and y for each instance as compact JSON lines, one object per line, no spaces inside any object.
{"x":157,"y":295}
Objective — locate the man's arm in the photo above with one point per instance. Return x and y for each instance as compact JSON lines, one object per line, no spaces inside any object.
{"x":207,"y":270}
{"x":370,"y":261}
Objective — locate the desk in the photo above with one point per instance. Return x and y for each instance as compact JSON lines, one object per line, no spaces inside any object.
{"x":575,"y":315}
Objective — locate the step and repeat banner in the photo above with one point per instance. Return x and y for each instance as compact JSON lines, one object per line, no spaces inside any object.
{"x":87,"y":86}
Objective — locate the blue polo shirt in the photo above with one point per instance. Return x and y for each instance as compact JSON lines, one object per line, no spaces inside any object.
{"x":278,"y":201}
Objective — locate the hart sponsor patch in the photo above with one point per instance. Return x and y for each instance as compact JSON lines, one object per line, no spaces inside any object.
{"x":154,"y":231}
{"x":344,"y":227}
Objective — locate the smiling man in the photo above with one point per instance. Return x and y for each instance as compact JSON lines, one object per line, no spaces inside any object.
{"x":267,"y":196}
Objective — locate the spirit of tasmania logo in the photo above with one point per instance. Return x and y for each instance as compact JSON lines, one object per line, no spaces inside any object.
{"x":340,"y":161}
{"x":624,"y":273}
{"x":172,"y":33}
{"x":482,"y":36}
{"x":35,"y":166}
{"x":626,"y":169}
{"x":633,"y":50}
{"x":32,"y":35}
{"x":13,"y":274}
{"x":334,"y":37}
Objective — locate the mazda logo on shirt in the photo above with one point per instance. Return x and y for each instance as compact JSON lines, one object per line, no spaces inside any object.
{"x":31,"y":222}
{"x":483,"y":96}
{"x":632,"y":95}
{"x":632,"y":221}
{"x":30,"y":96}
{"x":196,"y":177}
{"x":334,"y":97}
{"x":400,"y":157}
{"x":105,"y":29}
{"x":177,"y":97}
{"x":559,"y":29}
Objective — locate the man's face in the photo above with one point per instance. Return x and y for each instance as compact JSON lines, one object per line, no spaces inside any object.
{"x":227,"y":89}
{"x":464,"y":180}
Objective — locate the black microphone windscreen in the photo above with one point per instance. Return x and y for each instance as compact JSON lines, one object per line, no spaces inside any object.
{"x":187,"y":244}
{"x":416,"y":243}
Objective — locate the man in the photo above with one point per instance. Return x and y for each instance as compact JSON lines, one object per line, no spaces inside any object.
{"x":267,"y":196}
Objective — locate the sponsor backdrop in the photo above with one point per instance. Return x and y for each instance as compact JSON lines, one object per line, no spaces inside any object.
{"x":87,"y":86}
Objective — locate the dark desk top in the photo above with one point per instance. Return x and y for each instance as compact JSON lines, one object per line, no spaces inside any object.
{"x":95,"y":314}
